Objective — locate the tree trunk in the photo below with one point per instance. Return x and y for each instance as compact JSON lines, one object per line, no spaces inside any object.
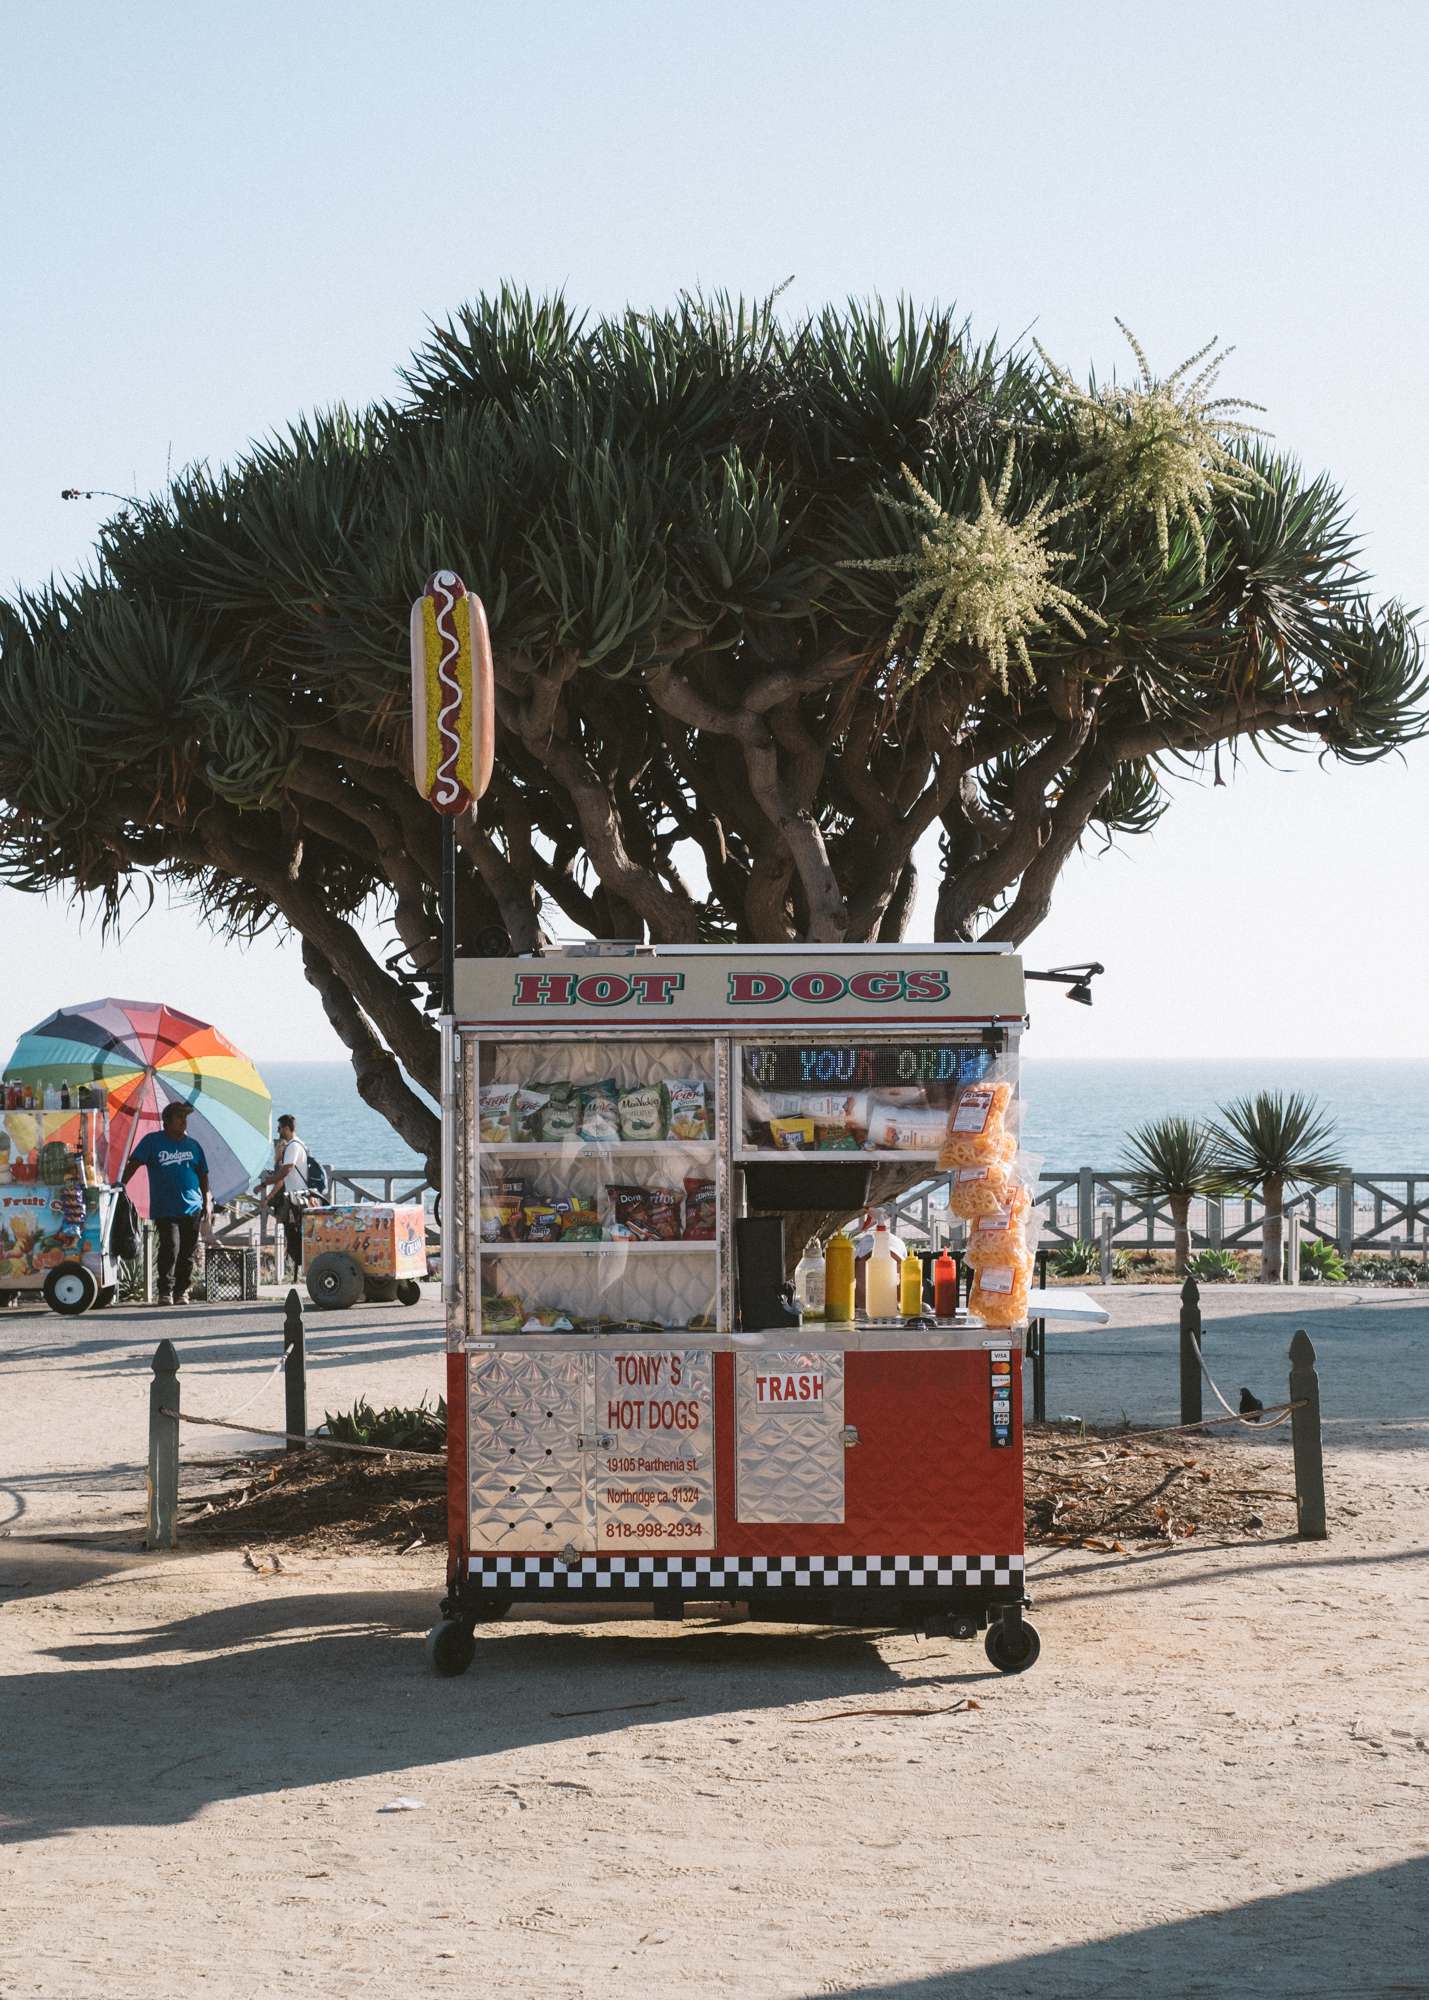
{"x":1181,"y":1232}
{"x":1272,"y":1234}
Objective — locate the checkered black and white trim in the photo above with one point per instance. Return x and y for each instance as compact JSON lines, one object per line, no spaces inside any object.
{"x":645,"y":1573}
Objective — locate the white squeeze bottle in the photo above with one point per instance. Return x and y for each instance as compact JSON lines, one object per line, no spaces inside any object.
{"x":809,"y":1278}
{"x":880,"y":1283}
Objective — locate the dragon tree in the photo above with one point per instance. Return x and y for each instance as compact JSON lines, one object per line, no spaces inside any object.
{"x":782,"y":608}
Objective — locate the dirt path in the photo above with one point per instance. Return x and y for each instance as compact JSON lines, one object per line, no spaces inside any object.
{"x":1215,"y":1782}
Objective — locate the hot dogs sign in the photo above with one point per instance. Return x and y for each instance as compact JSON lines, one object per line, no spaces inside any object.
{"x":453,"y":721}
{"x":801,"y":988}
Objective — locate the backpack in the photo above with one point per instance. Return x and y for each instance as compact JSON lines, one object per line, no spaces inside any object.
{"x":318,"y":1182}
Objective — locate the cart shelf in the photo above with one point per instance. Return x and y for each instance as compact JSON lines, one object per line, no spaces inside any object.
{"x":830,"y":1155}
{"x":581,"y":1149}
{"x":700,"y":1246}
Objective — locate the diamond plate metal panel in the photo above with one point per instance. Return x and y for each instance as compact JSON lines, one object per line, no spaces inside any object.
{"x":616,"y":1283}
{"x":654,"y":1472}
{"x":530,"y":1415}
{"x":789,"y":1449}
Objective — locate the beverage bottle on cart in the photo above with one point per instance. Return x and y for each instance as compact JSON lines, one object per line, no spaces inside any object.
{"x":838,"y":1279}
{"x":809,"y":1278}
{"x":910,"y":1287}
{"x":945,"y":1287}
{"x":880,"y":1283}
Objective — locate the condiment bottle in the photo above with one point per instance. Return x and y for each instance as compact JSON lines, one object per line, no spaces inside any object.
{"x":809,"y":1278}
{"x":910,"y":1287}
{"x":945,"y":1287}
{"x":838,"y":1279}
{"x":880,"y":1283}
{"x":64,"y":1097}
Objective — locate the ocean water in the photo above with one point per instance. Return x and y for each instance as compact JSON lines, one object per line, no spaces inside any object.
{"x":1077,"y":1112}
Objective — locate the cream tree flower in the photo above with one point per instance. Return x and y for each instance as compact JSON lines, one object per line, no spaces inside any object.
{"x":985,"y":581}
{"x":1160,"y":447}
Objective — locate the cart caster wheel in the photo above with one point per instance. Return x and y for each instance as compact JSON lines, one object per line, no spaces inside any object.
{"x":107,"y":1295}
{"x":451,"y":1648}
{"x":409,"y":1292}
{"x":1016,"y":1655}
{"x":70,"y":1288}
{"x":334,"y":1280}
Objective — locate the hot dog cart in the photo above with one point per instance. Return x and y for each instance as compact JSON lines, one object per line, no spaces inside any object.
{"x":55,"y":1215}
{"x":635,"y":1411}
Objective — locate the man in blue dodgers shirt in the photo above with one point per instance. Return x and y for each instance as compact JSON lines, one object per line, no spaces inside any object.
{"x":178,"y":1196}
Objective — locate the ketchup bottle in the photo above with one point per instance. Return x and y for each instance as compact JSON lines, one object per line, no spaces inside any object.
{"x":945,"y":1287}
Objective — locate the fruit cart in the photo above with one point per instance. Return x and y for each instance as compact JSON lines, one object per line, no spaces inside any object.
{"x":373,"y":1250}
{"x":637,"y":1411}
{"x":55,"y":1217}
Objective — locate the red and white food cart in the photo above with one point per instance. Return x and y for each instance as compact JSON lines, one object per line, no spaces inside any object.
{"x":635,"y":1413}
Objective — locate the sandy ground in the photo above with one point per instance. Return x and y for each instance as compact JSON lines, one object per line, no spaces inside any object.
{"x":1215,"y":1781}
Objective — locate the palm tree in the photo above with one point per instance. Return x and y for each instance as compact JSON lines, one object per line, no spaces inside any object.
{"x":1268,"y":1143}
{"x":1174,"y":1160}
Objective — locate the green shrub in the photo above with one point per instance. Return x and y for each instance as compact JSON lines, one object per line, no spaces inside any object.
{"x":1077,"y":1259}
{"x":1321,"y":1261}
{"x":1214,"y":1266}
{"x":398,"y":1429}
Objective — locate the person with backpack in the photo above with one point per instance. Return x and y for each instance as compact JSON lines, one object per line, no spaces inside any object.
{"x":291,"y":1184}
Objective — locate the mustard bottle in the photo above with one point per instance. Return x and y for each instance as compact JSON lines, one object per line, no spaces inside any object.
{"x":838,"y":1279}
{"x":910,"y":1287}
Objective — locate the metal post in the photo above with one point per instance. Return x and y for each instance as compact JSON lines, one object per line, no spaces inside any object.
{"x":295,"y":1374}
{"x":1086,"y":1203}
{"x":1106,"y":1234}
{"x":1191,"y":1332}
{"x":447,"y":1082}
{"x":1305,"y":1437}
{"x":1037,"y":1348}
{"x":162,"y":1527}
{"x":1292,"y":1249}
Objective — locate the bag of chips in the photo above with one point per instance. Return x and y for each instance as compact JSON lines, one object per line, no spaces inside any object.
{"x":600,"y":1111}
{"x":526,"y":1109}
{"x":980,"y":1190}
{"x":500,"y":1314}
{"x":1000,"y":1236}
{"x":542,"y":1221}
{"x":629,"y":1213}
{"x":560,"y":1115}
{"x":791,"y":1135}
{"x":699,"y":1210}
{"x":999,"y":1292}
{"x":501,"y":1212}
{"x":664,"y":1207}
{"x":685,"y":1108}
{"x":977,"y":1128}
{"x":494,"y":1114}
{"x":642,"y":1112}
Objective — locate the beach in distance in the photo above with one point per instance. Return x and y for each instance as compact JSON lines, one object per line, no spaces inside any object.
{"x":1078,"y":1110}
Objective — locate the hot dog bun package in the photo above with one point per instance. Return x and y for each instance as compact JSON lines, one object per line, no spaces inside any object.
{"x":982,"y":1117}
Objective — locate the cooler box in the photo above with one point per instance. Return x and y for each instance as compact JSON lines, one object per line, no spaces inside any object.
{"x":385,"y":1239}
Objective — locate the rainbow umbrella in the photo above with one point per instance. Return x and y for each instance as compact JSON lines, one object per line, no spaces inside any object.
{"x":146,"y":1055}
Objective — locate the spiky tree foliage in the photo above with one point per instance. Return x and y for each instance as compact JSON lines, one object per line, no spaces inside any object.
{"x":1175,"y":1160}
{"x":709,"y":723}
{"x":1270,"y":1143}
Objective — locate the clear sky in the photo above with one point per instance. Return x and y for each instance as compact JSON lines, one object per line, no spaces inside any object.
{"x":216,"y":216}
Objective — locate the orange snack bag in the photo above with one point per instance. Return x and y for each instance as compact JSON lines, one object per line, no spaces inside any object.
{"x":980,"y":1190}
{"x":999,"y":1293}
{"x":976,"y":1129}
{"x":1000,"y":1236}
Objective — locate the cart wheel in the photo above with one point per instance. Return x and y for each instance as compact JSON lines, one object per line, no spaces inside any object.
{"x":334,"y":1280}
{"x":451,"y":1648}
{"x":107,"y":1295}
{"x":409,"y":1292}
{"x":70,"y":1288}
{"x":6,"y":1299}
{"x":379,"y":1291}
{"x":1001,"y":1651}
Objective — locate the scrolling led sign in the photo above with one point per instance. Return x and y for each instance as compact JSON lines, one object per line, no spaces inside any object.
{"x":860,"y":1065}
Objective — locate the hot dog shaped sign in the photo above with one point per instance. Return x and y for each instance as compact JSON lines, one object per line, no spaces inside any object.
{"x":453,"y":702}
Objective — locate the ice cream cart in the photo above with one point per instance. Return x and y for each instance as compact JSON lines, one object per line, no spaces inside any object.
{"x":374,"y":1250}
{"x":636,"y":1412}
{"x":55,"y":1217}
